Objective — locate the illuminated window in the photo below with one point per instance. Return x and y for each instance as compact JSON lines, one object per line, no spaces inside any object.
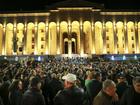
{"x":132,"y":30}
{"x":132,"y":38}
{"x":42,"y":38}
{"x":33,"y":31}
{"x":33,"y":39}
{"x":33,"y":46}
{"x":20,"y":49}
{"x":107,"y":45}
{"x":42,"y":46}
{"x":17,"y":31}
{"x":107,"y":37}
{"x":107,"y":30}
{"x":133,"y":45}
{"x":42,"y":30}
{"x":123,"y":45}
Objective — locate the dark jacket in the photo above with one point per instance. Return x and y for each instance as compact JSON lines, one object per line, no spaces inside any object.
{"x":93,"y":89}
{"x":54,"y":86}
{"x":130,"y":97}
{"x":102,"y":99}
{"x":15,"y":97}
{"x":121,"y":88}
{"x":71,"y":96}
{"x":33,"y":96}
{"x":4,"y":92}
{"x":1,"y":102}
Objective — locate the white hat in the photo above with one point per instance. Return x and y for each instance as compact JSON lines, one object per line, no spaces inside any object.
{"x":69,"y":77}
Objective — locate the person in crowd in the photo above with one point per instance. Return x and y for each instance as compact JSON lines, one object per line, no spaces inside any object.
{"x":33,"y":96}
{"x":53,"y":87}
{"x":132,"y":95}
{"x":122,"y":85}
{"x":1,"y":102}
{"x":15,"y":92}
{"x":70,"y":95}
{"x":94,"y":86}
{"x":107,"y":96}
{"x":128,"y":76}
{"x":1,"y":82}
{"x":60,"y":66}
{"x":89,"y":77}
{"x":4,"y":92}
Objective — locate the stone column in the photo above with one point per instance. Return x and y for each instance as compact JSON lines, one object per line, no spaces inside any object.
{"x":136,"y":38}
{"x":115,"y":38}
{"x":69,"y":38}
{"x":4,"y":38}
{"x":15,"y":40}
{"x":25,"y":38}
{"x":81,"y":39}
{"x":126,"y":39}
{"x":58,"y":38}
{"x":93,"y":37}
{"x":36,"y":37}
{"x":104,"y":39}
{"x":46,"y":37}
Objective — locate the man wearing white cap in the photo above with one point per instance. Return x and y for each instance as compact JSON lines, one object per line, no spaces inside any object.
{"x":69,"y":80}
{"x":71,"y":94}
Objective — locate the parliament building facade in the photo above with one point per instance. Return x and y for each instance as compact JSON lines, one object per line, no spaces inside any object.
{"x":82,"y":28}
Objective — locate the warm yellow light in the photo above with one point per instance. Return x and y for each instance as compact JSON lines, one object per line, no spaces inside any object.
{"x":119,"y":13}
{"x":47,"y":52}
{"x":104,"y":51}
{"x":35,"y":52}
{"x":14,"y":53}
{"x":82,"y":52}
{"x":24,"y":52}
{"x":85,"y":55}
{"x":126,"y":51}
{"x":76,"y":8}
{"x":58,"y":51}
{"x":82,"y":55}
{"x":93,"y":51}
{"x":137,"y":51}
{"x":115,"y":50}
{"x":3,"y":52}
{"x":70,"y":55}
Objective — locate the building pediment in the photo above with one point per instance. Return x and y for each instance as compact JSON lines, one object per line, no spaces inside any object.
{"x":74,"y":3}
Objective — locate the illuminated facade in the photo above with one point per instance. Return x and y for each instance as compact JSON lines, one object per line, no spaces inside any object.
{"x":70,"y":30}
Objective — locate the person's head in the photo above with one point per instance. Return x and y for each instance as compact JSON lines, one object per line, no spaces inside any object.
{"x":136,"y":84}
{"x":69,"y":80}
{"x":35,"y":82}
{"x":98,"y":76}
{"x":121,"y":78}
{"x":109,"y":87}
{"x":16,"y":85}
{"x":90,"y":74}
{"x":53,"y":75}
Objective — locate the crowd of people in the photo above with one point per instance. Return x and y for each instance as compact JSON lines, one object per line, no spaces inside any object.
{"x":70,"y":81}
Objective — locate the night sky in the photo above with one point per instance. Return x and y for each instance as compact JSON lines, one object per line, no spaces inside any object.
{"x":32,"y":5}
